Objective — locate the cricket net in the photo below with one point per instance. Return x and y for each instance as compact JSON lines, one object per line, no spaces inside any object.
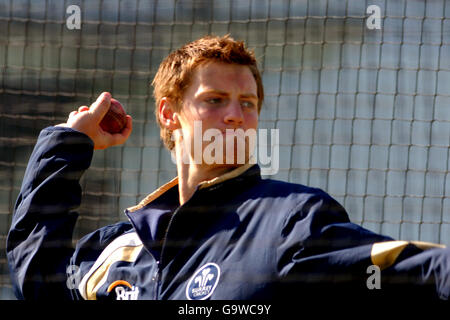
{"x":362,"y":112}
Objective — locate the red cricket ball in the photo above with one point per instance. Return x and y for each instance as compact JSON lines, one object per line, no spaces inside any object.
{"x":115,"y":119}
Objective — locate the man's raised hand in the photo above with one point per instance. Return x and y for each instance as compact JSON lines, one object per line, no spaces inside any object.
{"x":87,"y":120}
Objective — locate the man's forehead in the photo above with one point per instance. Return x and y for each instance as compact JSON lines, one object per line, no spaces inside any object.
{"x":223,"y":77}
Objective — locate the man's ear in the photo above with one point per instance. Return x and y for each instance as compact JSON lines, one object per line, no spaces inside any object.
{"x":168,"y":117}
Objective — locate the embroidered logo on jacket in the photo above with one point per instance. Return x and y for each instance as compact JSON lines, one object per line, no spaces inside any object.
{"x":123,"y":290}
{"x":203,"y":283}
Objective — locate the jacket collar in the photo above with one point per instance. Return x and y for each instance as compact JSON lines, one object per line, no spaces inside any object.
{"x":240,"y":171}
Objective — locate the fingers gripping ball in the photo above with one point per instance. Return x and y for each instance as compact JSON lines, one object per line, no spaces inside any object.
{"x":115,"y":119}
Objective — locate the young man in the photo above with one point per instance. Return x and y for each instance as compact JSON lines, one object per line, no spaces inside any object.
{"x":217,"y":231}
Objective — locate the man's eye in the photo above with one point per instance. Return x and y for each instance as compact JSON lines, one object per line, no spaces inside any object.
{"x":248,"y":104}
{"x":214,"y":100}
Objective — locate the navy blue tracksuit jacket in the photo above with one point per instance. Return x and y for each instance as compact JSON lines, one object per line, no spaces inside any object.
{"x":238,"y":237}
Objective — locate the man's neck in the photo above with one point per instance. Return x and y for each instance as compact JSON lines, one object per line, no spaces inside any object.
{"x":191,"y":175}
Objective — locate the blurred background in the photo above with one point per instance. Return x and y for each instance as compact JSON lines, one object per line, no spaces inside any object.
{"x":362,"y":113}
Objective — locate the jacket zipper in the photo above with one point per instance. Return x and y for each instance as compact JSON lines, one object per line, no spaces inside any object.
{"x":157,"y":277}
{"x":159,"y":263}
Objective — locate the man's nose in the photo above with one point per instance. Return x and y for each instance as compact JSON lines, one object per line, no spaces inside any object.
{"x":234,"y":114}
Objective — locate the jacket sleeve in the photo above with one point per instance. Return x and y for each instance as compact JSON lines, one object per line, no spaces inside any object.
{"x":323,"y":255}
{"x":39,"y":242}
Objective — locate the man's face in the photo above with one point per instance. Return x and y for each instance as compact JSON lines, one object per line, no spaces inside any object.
{"x":221,"y":96}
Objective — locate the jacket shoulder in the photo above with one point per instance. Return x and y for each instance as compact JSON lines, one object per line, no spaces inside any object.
{"x":292,"y":202}
{"x":277,"y":188}
{"x":90,"y":246}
